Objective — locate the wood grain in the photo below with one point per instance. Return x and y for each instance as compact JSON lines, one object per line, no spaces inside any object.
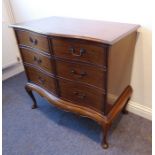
{"x":32,"y":39}
{"x":70,"y":49}
{"x":94,"y":30}
{"x":120,"y":62}
{"x":38,"y":59}
{"x":41,"y":79}
{"x":78,"y":72}
{"x":81,"y":94}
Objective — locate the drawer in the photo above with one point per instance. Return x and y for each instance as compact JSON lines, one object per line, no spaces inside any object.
{"x":32,"y":39}
{"x":37,"y":59}
{"x":79,"y":72}
{"x":81,"y":94}
{"x":79,"y":50}
{"x":41,"y":79}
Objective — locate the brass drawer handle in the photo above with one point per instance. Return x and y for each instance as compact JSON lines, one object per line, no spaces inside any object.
{"x":80,"y":75}
{"x":37,"y":59}
{"x":33,"y":41}
{"x":81,"y":52}
{"x":79,"y":95}
{"x":41,"y":80}
{"x":34,"y":58}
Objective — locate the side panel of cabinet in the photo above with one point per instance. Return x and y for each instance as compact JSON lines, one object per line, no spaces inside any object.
{"x":120,"y":59}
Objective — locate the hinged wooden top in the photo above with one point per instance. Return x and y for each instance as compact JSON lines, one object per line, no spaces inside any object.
{"x":100,"y":31}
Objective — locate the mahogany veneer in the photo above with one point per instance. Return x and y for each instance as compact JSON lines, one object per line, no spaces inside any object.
{"x":82,"y":66}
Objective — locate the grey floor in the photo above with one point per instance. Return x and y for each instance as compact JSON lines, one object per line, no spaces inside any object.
{"x":50,"y":131}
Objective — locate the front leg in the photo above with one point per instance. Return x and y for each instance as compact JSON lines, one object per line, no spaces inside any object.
{"x":29,"y":91}
{"x":105,"y":129}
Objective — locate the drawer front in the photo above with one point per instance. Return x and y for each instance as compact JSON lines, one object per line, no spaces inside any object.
{"x":81,"y":94}
{"x":81,"y":73}
{"x":79,"y":50}
{"x":41,"y":79}
{"x":33,"y":40}
{"x":39,"y":60}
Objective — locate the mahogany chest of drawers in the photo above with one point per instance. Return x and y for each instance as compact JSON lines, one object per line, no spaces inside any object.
{"x":81,"y":66}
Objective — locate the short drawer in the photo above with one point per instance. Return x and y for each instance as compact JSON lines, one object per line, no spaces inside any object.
{"x":79,"y":50}
{"x":39,"y":60}
{"x":81,"y":94}
{"x":80,"y":72}
{"x":32,"y":39}
{"x":41,"y":79}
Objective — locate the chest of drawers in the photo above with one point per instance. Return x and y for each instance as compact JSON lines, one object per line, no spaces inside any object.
{"x":81,"y":66}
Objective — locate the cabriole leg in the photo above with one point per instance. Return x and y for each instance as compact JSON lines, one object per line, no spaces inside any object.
{"x":29,"y":91}
{"x":105,"y":129}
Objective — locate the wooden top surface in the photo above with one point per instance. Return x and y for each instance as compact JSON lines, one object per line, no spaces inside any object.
{"x":100,"y":31}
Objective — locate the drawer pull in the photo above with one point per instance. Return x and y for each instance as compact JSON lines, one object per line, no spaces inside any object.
{"x":33,"y":41}
{"x":35,"y":58}
{"x":38,"y":60}
{"x":80,"y":75}
{"x":79,"y":95}
{"x":41,"y":80}
{"x":72,"y":50}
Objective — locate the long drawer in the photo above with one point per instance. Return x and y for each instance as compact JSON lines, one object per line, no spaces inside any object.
{"x":74,"y":49}
{"x":45,"y":81}
{"x":88,"y":74}
{"x":81,"y":94}
{"x":39,"y":60}
{"x":33,"y":39}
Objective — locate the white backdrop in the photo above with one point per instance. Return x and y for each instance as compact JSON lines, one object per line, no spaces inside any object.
{"x":129,"y":11}
{"x":9,"y":47}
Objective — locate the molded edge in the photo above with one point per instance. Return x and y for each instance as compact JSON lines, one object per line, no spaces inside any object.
{"x":106,"y":42}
